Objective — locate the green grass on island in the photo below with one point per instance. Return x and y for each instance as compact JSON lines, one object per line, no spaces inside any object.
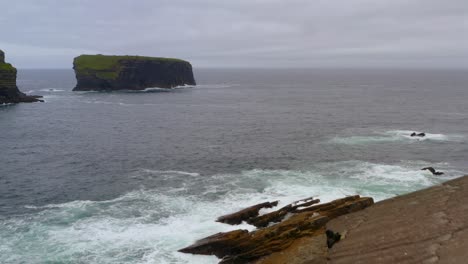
{"x":107,"y":66}
{"x":6,"y":67}
{"x":105,"y":62}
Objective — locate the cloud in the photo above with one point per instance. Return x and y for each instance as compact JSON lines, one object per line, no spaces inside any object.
{"x":254,"y":33}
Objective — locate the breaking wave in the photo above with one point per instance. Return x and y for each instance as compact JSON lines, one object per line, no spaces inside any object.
{"x":394,"y":136}
{"x":149,"y":225}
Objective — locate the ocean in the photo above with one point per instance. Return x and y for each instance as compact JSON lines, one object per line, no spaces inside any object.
{"x":130,"y":177}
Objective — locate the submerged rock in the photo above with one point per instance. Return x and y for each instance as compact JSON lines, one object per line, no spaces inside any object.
{"x":108,"y":73}
{"x":9,"y":92}
{"x":303,"y":220}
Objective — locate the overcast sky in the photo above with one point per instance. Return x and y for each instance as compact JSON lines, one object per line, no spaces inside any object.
{"x":239,"y":33}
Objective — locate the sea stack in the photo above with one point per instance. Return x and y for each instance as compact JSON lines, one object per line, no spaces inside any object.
{"x":9,"y":92}
{"x":109,"y":73}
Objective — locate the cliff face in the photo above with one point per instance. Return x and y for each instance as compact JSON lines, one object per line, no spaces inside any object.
{"x":107,"y":73}
{"x":9,"y":92}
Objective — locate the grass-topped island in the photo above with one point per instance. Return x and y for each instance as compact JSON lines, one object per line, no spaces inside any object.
{"x":108,"y":73}
{"x":9,"y":92}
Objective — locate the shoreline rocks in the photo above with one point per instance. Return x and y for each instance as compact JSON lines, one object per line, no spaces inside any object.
{"x":279,"y":230}
{"x":426,"y":226}
{"x":110,"y":73}
{"x":9,"y":92}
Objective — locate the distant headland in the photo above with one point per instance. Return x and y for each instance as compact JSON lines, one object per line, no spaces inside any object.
{"x":9,"y":92}
{"x":109,"y":73}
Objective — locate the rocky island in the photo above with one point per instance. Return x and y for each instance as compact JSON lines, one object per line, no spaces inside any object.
{"x":9,"y":92}
{"x":109,"y":73}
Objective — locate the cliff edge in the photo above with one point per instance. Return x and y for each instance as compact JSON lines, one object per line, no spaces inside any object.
{"x":108,"y":73}
{"x":9,"y":92}
{"x":427,"y":226}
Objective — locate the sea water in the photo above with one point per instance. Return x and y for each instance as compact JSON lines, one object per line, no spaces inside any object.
{"x":131,"y":177}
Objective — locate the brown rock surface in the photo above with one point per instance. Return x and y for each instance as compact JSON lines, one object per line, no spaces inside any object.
{"x":279,"y":215}
{"x":241,"y":246}
{"x":428,"y":226}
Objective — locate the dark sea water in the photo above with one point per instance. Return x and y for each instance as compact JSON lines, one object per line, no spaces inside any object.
{"x":130,"y":177}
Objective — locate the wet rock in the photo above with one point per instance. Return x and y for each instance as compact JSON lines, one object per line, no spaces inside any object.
{"x":245,"y":214}
{"x":220,"y":244}
{"x":298,"y":220}
{"x":278,"y":216}
{"x":433,"y":171}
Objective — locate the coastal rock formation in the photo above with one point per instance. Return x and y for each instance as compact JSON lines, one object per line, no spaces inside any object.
{"x":433,"y":171}
{"x":108,"y":73}
{"x":245,"y":214}
{"x":9,"y":92}
{"x":427,"y":226}
{"x":301,"y":221}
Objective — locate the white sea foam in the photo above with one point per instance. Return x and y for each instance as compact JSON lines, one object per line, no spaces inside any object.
{"x":150,"y":225}
{"x":407,"y":135}
{"x":214,"y":86}
{"x":52,"y":90}
{"x":50,"y":97}
{"x":394,"y":136}
{"x":172,"y":172}
{"x":148,"y":90}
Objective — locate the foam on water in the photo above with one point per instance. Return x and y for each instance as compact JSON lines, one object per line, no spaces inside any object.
{"x":394,"y":136}
{"x":52,"y":90}
{"x":149,"y":225}
{"x":51,"y":97}
{"x":149,"y":90}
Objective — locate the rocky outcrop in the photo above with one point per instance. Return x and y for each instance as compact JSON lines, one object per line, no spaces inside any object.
{"x":9,"y":92}
{"x":108,"y":73}
{"x":245,"y":214}
{"x":427,"y":226}
{"x":302,"y":221}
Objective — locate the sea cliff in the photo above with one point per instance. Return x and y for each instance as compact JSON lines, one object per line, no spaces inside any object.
{"x":108,"y":73}
{"x":9,"y":92}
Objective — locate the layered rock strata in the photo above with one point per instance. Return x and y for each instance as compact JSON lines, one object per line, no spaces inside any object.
{"x":108,"y":73}
{"x":427,"y":226}
{"x":9,"y":92}
{"x":280,"y":229}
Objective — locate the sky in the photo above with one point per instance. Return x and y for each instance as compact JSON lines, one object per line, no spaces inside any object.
{"x":240,"y":33}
